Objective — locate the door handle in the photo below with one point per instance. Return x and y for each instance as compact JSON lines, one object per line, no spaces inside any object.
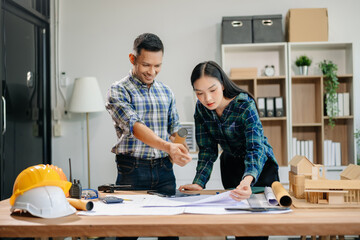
{"x":4,"y":115}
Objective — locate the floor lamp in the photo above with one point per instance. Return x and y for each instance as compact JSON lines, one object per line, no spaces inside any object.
{"x":86,"y":98}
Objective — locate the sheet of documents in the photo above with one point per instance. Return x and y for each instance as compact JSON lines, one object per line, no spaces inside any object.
{"x":155,"y":205}
{"x":133,"y":207}
{"x":222,"y":199}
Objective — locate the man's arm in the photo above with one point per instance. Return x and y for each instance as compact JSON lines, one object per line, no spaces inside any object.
{"x":178,"y":152}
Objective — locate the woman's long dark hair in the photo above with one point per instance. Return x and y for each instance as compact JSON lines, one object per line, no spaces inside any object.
{"x":212,"y":69}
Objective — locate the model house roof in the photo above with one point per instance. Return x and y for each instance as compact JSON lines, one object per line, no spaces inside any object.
{"x":301,"y":165}
{"x":351,"y":172}
{"x":299,"y":159}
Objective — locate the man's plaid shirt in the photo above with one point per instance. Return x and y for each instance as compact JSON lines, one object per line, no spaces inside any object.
{"x":130,"y":101}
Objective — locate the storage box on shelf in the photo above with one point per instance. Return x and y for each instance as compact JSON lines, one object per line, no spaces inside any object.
{"x":236,"y":29}
{"x":307,"y":24}
{"x":307,"y":96}
{"x":267,"y":28}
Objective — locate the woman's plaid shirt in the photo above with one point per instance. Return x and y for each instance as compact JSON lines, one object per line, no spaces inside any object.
{"x":238,"y":132}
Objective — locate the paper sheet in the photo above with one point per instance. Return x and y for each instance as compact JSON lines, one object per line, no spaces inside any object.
{"x":222,"y":199}
{"x":133,"y":207}
{"x":155,"y":205}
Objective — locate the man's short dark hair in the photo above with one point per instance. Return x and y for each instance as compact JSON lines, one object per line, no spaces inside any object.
{"x":149,"y":42}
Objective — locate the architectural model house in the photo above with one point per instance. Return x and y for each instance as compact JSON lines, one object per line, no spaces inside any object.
{"x":300,"y":170}
{"x":332,"y":191}
{"x":306,"y":180}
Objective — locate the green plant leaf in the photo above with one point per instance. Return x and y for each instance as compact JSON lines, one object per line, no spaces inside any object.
{"x":303,"y":61}
{"x":329,"y":69}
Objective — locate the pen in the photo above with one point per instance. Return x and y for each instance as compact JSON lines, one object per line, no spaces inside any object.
{"x":126,"y":199}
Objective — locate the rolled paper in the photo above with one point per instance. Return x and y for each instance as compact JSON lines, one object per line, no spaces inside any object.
{"x":282,"y":196}
{"x":270,"y":196}
{"x":180,"y":136}
{"x":80,"y":204}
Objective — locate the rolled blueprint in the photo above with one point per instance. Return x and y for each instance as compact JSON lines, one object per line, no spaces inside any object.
{"x":180,"y":136}
{"x":281,"y":194}
{"x":270,"y":196}
{"x":79,"y":204}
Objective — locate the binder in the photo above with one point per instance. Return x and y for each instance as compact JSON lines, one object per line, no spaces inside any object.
{"x":279,"y":109}
{"x":294,"y":153}
{"x":261,"y":106}
{"x":340,"y":97}
{"x":311,"y":151}
{"x":298,"y":147}
{"x":337,"y":154}
{"x":346,"y":104}
{"x":302,"y":148}
{"x":270,"y":107}
{"x":306,"y":149}
{"x":333,"y":154}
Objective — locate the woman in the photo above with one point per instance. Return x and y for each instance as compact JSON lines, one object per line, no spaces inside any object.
{"x":228,"y":116}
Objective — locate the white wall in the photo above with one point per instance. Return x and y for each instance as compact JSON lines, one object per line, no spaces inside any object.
{"x":95,"y":38}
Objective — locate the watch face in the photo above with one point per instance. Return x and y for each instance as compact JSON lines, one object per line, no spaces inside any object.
{"x":269,"y":71}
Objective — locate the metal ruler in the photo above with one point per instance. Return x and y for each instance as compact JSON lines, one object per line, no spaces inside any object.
{"x":256,"y":200}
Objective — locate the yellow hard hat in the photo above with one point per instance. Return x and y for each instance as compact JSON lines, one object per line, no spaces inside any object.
{"x":37,"y":176}
{"x":61,"y":174}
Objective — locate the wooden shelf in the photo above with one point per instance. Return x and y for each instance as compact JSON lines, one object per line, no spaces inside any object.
{"x":307,"y":99}
{"x":259,"y":55}
{"x":340,"y":118}
{"x":307,"y":125}
{"x":303,"y":96}
{"x":271,"y":78}
{"x":307,"y":94}
{"x":273,"y":119}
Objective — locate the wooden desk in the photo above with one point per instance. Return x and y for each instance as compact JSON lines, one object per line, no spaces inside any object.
{"x":299,"y":222}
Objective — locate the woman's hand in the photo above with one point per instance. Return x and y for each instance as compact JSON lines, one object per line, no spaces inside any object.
{"x":190,"y":187}
{"x":243,"y":190}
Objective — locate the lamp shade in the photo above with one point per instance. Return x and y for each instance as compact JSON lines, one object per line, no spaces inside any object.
{"x":86,"y":96}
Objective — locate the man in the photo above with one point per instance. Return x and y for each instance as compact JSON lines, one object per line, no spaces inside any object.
{"x":144,"y":114}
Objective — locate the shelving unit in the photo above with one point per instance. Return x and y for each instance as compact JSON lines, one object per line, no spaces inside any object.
{"x":307,"y":119}
{"x":260,"y":55}
{"x":303,"y":96}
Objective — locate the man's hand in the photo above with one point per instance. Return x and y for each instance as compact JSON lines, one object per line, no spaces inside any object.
{"x":172,"y":139}
{"x":190,"y":187}
{"x":178,"y":154}
{"x":243,"y":190}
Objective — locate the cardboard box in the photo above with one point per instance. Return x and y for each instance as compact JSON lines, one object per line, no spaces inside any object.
{"x":307,"y":25}
{"x":243,"y":72}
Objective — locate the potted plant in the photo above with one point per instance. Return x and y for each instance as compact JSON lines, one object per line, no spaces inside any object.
{"x":331,"y":85}
{"x":303,"y":62}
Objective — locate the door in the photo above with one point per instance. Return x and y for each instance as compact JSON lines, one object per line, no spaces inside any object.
{"x":25,"y":108}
